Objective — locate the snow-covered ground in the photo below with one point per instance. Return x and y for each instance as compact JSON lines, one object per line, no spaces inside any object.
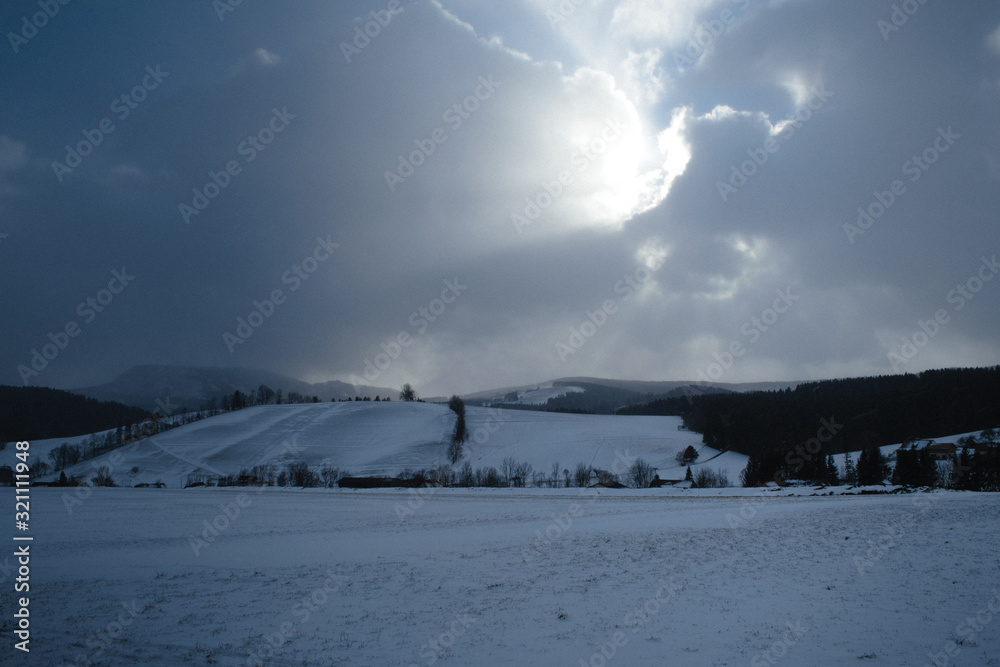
{"x":508,"y":577}
{"x":386,"y":438}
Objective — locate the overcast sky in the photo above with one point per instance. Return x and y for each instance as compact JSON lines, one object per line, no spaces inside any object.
{"x":641,"y":189}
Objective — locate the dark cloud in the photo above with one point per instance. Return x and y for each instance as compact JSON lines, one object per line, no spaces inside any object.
{"x":584,"y":127}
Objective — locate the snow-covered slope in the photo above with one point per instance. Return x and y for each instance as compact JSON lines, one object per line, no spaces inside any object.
{"x":544,"y":438}
{"x":387,"y":438}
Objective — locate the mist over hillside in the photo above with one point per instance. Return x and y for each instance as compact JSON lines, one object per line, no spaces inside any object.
{"x":605,"y":396}
{"x":169,"y":389}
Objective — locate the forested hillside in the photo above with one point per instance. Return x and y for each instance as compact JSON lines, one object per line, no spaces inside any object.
{"x":39,"y":413}
{"x":861,"y":412}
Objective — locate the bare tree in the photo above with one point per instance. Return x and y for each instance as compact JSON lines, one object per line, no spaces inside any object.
{"x":300,"y":475}
{"x":330,"y":476}
{"x":467,"y":477}
{"x":522,"y":471}
{"x":264,"y":395}
{"x":508,"y":469}
{"x":407,"y":393}
{"x":103,"y":477}
{"x":461,"y":432}
{"x":640,"y":474}
{"x":711,"y":479}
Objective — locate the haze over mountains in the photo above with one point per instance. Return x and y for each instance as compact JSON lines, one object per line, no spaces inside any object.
{"x":170,"y":389}
{"x":175,"y":388}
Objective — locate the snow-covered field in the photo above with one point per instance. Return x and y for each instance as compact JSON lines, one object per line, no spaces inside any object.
{"x":509,"y":577}
{"x":371,"y":438}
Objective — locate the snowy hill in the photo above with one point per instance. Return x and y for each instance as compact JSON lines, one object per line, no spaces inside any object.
{"x":386,"y":438}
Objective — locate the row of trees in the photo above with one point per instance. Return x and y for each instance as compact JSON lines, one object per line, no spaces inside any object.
{"x":461,"y":433}
{"x":511,"y":473}
{"x":297,"y":474}
{"x":780,"y":465}
{"x":66,"y":455}
{"x":264,"y":395}
{"x":872,"y":411}
{"x":975,"y":468}
{"x":978,"y":466}
{"x":40,"y":413}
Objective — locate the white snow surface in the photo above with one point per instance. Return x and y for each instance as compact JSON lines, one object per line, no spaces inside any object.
{"x":507,"y":577}
{"x":369,"y":438}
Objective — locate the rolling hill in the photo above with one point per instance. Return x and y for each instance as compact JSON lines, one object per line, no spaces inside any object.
{"x":370,"y":438}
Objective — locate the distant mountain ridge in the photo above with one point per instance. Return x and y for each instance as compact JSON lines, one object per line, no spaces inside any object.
{"x":603,"y":396}
{"x":171,"y":389}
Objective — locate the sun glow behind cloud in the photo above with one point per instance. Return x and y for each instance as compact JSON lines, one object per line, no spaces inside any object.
{"x":625,"y":159}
